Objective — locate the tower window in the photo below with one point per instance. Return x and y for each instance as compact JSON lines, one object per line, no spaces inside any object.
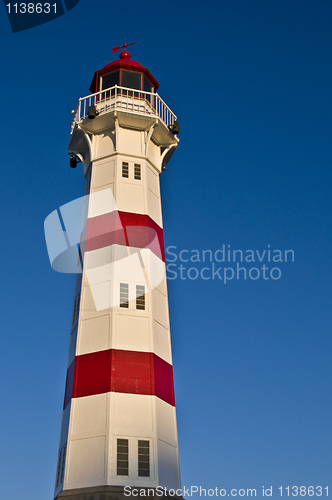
{"x":143,"y":458}
{"x":137,"y":171}
{"x":58,"y":469}
{"x":63,"y":463}
{"x":140,"y":297}
{"x":88,"y":183}
{"x":122,"y":464}
{"x":76,"y":309}
{"x":125,"y":169}
{"x":124,"y":295}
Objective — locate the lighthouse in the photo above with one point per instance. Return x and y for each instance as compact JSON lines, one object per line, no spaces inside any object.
{"x":119,"y":432}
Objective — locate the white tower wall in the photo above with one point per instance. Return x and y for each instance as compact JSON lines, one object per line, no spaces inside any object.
{"x":119,"y":379}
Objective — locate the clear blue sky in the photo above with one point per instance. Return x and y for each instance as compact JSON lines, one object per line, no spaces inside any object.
{"x":250,"y":82}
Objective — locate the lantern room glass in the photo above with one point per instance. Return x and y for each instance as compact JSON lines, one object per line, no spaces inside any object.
{"x":131,"y":79}
{"x":109,"y":80}
{"x":125,"y":78}
{"x":147,"y":85}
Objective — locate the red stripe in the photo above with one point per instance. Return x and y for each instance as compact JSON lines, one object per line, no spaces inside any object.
{"x":130,"y":372}
{"x":124,"y":228}
{"x":163,"y":378}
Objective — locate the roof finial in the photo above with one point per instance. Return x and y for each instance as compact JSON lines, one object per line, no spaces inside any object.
{"x":124,"y":54}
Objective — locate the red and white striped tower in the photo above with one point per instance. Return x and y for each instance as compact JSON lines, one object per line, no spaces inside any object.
{"x":119,"y":421}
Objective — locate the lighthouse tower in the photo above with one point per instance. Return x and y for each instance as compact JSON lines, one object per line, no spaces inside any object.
{"x":119,"y":422}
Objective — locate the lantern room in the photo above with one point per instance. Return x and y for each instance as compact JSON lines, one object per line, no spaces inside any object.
{"x":124,"y":94}
{"x":124,"y":73}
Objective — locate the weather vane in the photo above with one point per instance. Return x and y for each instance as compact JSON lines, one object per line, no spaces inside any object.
{"x":125,"y":45}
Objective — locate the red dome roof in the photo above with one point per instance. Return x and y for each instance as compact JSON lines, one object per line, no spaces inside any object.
{"x":123,"y":63}
{"x":126,"y":63}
